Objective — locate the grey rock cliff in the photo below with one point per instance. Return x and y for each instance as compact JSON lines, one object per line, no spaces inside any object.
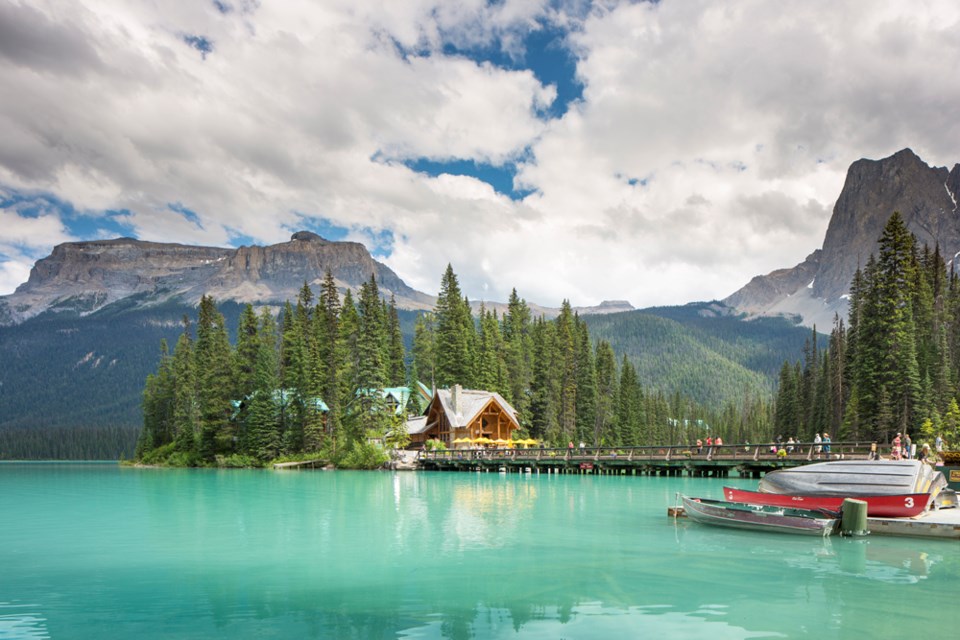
{"x":86,"y":276}
{"x":815,"y":289}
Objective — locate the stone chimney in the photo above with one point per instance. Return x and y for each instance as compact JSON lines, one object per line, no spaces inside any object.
{"x":455,"y":392}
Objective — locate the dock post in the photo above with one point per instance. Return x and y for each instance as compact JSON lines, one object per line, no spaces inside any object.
{"x":853,"y":518}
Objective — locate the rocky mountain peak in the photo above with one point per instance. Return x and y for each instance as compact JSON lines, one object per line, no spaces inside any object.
{"x":308,"y":236}
{"x":925,"y":196}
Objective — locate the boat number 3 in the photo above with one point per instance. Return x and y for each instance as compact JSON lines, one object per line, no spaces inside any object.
{"x":908,"y":502}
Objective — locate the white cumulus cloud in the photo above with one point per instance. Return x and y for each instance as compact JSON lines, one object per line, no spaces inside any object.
{"x":709,"y":145}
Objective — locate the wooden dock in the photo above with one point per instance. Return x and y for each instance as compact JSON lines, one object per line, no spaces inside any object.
{"x":743,"y":459}
{"x":301,"y":464}
{"x":944,"y":523}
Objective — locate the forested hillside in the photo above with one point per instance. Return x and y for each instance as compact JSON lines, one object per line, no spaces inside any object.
{"x":702,"y":350}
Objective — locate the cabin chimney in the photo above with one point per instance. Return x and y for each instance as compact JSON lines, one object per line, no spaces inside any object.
{"x":455,"y":397}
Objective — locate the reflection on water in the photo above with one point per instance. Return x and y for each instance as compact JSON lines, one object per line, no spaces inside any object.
{"x":883,"y":559}
{"x":21,"y":621}
{"x":199,"y":554}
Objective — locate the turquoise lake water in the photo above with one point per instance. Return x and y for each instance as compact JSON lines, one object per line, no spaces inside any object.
{"x":98,"y":551}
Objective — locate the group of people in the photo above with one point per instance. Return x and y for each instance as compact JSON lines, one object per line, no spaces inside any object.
{"x":710,"y":443}
{"x":902,"y":448}
{"x":821,"y":444}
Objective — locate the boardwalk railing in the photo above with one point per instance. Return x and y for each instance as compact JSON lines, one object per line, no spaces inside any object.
{"x":744,"y":456}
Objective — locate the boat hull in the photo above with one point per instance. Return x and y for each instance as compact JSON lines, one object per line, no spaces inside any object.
{"x":737,"y":515}
{"x":885,"y":506}
{"x":855,"y":478}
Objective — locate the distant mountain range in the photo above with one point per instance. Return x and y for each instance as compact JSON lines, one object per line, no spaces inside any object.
{"x":79,"y":337}
{"x":816,"y":289}
{"x":85,"y":277}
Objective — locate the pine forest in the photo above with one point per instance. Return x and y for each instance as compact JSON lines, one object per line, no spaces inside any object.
{"x":308,"y":382}
{"x":894,"y":366}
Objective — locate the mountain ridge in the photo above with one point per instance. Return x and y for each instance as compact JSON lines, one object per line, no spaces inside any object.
{"x":816,"y":289}
{"x":87,"y":276}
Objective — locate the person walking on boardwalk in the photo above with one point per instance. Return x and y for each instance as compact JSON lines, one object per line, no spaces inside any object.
{"x":895,"y":448}
{"x":826,"y":444}
{"x":699,"y":446}
{"x":816,"y":442}
{"x":907,"y":447}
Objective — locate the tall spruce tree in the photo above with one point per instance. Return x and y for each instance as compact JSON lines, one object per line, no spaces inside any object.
{"x":544,"y":389}
{"x":185,"y":410}
{"x":330,"y":363}
{"x":215,"y":383}
{"x":158,"y":401}
{"x":423,"y":368}
{"x":371,"y":417}
{"x":396,"y":353}
{"x":586,"y":381}
{"x":605,"y":426}
{"x":518,"y":355}
{"x":263,"y":428}
{"x":455,"y":334}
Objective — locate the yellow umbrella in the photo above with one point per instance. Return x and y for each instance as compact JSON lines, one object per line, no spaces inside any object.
{"x":529,"y":442}
{"x":482,"y":440}
{"x":462,"y":441}
{"x":500,"y":441}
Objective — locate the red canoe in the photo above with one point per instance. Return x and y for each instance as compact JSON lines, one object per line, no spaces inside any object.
{"x":904,"y":505}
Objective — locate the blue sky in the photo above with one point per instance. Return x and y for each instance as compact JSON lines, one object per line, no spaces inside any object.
{"x":656,"y":152}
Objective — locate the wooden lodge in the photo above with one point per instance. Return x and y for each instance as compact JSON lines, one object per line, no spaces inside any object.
{"x":462,"y":414}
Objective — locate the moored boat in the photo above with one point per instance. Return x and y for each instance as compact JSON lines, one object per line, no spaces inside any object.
{"x":739,"y":515}
{"x":883,"y":506}
{"x":856,"y":478}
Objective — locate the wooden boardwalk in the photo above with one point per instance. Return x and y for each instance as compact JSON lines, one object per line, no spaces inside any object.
{"x":301,"y":464}
{"x":743,"y":459}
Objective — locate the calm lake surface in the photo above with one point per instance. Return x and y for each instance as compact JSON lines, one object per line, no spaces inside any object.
{"x":98,"y":551}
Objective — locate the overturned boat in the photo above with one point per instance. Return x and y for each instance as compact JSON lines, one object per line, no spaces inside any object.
{"x":738,"y":515}
{"x":855,"y":478}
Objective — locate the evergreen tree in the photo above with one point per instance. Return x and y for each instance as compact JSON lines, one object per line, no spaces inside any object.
{"x":263,"y":433}
{"x":518,"y":355}
{"x":586,"y":382}
{"x":544,"y":390}
{"x":396,"y":354}
{"x":605,"y":432}
{"x":455,"y":334}
{"x":491,"y":369}
{"x":787,"y":420}
{"x":294,"y":377}
{"x":185,"y":409}
{"x":899,"y":375}
{"x":629,"y":406}
{"x":838,"y":388}
{"x":567,"y":372}
{"x":245,"y":355}
{"x":372,"y":417}
{"x":158,"y":428}
{"x":423,"y":368}
{"x":330,"y":351}
{"x":215,"y":382}
{"x":348,"y":353}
